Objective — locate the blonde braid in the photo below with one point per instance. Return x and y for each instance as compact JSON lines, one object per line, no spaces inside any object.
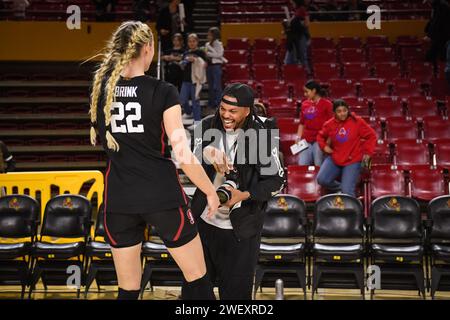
{"x":116,"y":61}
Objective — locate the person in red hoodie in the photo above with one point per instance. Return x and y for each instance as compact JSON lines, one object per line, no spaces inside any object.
{"x":315,"y":111}
{"x":350,"y":142}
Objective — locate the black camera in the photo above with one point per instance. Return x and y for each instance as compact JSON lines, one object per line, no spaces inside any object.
{"x":231,"y":180}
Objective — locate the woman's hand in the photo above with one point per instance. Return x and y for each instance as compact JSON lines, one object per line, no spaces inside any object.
{"x":328,"y":150}
{"x":213,"y":203}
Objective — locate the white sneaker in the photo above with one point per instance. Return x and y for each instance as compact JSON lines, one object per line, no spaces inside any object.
{"x":186,"y":116}
{"x":191,"y":127}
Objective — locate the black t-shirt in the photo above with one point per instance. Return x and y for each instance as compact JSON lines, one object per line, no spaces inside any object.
{"x":187,"y":73}
{"x":141,"y":177}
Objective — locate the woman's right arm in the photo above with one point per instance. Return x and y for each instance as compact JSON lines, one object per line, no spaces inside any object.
{"x":184,"y":156}
{"x":300,"y":132}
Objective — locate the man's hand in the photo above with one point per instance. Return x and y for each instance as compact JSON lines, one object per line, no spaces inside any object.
{"x":218,"y":159}
{"x":236,"y":196}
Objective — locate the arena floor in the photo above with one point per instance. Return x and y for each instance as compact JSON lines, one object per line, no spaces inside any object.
{"x":173,"y":293}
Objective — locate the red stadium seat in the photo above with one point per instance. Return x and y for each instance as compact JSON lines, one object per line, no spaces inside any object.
{"x":322,"y":43}
{"x":388,"y":70}
{"x":265,"y":72}
{"x":386,"y":181}
{"x":381,"y":54}
{"x":350,"y":42}
{"x":39,"y":142}
{"x":288,"y":127}
{"x":342,"y":87}
{"x":324,"y":56}
{"x":406,"y":87}
{"x":352,"y":55}
{"x":35,"y":126}
{"x":442,"y":152}
{"x":236,"y":56}
{"x":439,"y":88}
{"x":302,"y":182}
{"x":264,"y":57}
{"x":372,"y":87}
{"x":356,"y":70}
{"x":419,"y":107}
{"x":412,"y":54}
{"x":426,"y":183}
{"x":387,"y":107}
{"x":409,"y":152}
{"x":237,"y":72}
{"x":382,"y":154}
{"x":265,"y":44}
{"x":436,"y":128}
{"x":422,"y":72}
{"x":292,"y":73}
{"x":325,"y":71}
{"x":399,"y":128}
{"x":272,"y":90}
{"x":238,"y":44}
{"x":377,"y":41}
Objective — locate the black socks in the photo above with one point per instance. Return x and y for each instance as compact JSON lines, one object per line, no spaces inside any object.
{"x":128,"y":294}
{"x":200,"y":289}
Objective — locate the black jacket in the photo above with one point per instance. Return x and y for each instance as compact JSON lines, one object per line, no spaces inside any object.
{"x":262,"y":180}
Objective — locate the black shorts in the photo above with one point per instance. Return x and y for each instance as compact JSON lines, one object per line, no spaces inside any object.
{"x":175,"y":227}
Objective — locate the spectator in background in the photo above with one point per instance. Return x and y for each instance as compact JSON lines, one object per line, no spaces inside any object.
{"x":7,"y":163}
{"x":172,"y":59}
{"x":349,"y":142}
{"x":142,"y":10}
{"x":298,"y":36}
{"x":315,"y":111}
{"x":331,"y":5}
{"x":168,"y":23}
{"x":104,"y":9}
{"x":188,"y":87}
{"x":355,"y":5}
{"x":214,"y":53}
{"x":447,"y":65}
{"x":19,"y":7}
{"x":438,"y":29}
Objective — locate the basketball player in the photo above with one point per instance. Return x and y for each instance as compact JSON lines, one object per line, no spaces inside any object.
{"x":135,"y":116}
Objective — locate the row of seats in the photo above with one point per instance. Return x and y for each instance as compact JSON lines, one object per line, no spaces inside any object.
{"x":340,"y":242}
{"x":395,"y":238}
{"x":353,"y":71}
{"x":369,"y":43}
{"x":418,"y":181}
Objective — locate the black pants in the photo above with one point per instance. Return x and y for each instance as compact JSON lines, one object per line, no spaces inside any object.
{"x":230,"y":263}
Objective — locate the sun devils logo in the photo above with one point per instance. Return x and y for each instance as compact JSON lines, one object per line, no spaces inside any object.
{"x":14,"y":204}
{"x":190,"y":217}
{"x":339,"y":203}
{"x":342,"y":135}
{"x":282,"y":204}
{"x":310,"y":113}
{"x":393,"y":203}
{"x":68,"y":203}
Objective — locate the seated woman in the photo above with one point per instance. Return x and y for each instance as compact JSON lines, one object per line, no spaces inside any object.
{"x":349,"y":143}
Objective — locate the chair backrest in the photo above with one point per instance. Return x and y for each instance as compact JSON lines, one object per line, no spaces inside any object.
{"x":395,"y":218}
{"x":67,"y":216}
{"x":439,"y":213}
{"x":19,"y":216}
{"x":100,"y":223}
{"x":285,"y":216}
{"x":338,"y":216}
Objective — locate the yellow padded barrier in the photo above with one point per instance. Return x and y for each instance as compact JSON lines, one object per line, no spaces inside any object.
{"x":67,"y":181}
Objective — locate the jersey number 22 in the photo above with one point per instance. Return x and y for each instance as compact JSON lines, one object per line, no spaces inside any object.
{"x":130,"y":127}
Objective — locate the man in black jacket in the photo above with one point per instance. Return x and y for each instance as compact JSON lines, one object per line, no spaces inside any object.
{"x":238,"y":151}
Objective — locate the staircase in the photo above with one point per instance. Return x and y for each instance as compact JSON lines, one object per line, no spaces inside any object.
{"x":205,"y":16}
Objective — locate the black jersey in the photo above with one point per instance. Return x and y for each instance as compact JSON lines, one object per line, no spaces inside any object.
{"x":141,"y":177}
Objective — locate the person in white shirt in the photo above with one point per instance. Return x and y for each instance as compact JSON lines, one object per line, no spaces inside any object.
{"x":214,"y":53}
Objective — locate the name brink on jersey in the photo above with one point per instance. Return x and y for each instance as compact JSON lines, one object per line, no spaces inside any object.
{"x":126,"y":92}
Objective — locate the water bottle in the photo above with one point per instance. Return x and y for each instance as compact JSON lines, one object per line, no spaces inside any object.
{"x":279,"y":290}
